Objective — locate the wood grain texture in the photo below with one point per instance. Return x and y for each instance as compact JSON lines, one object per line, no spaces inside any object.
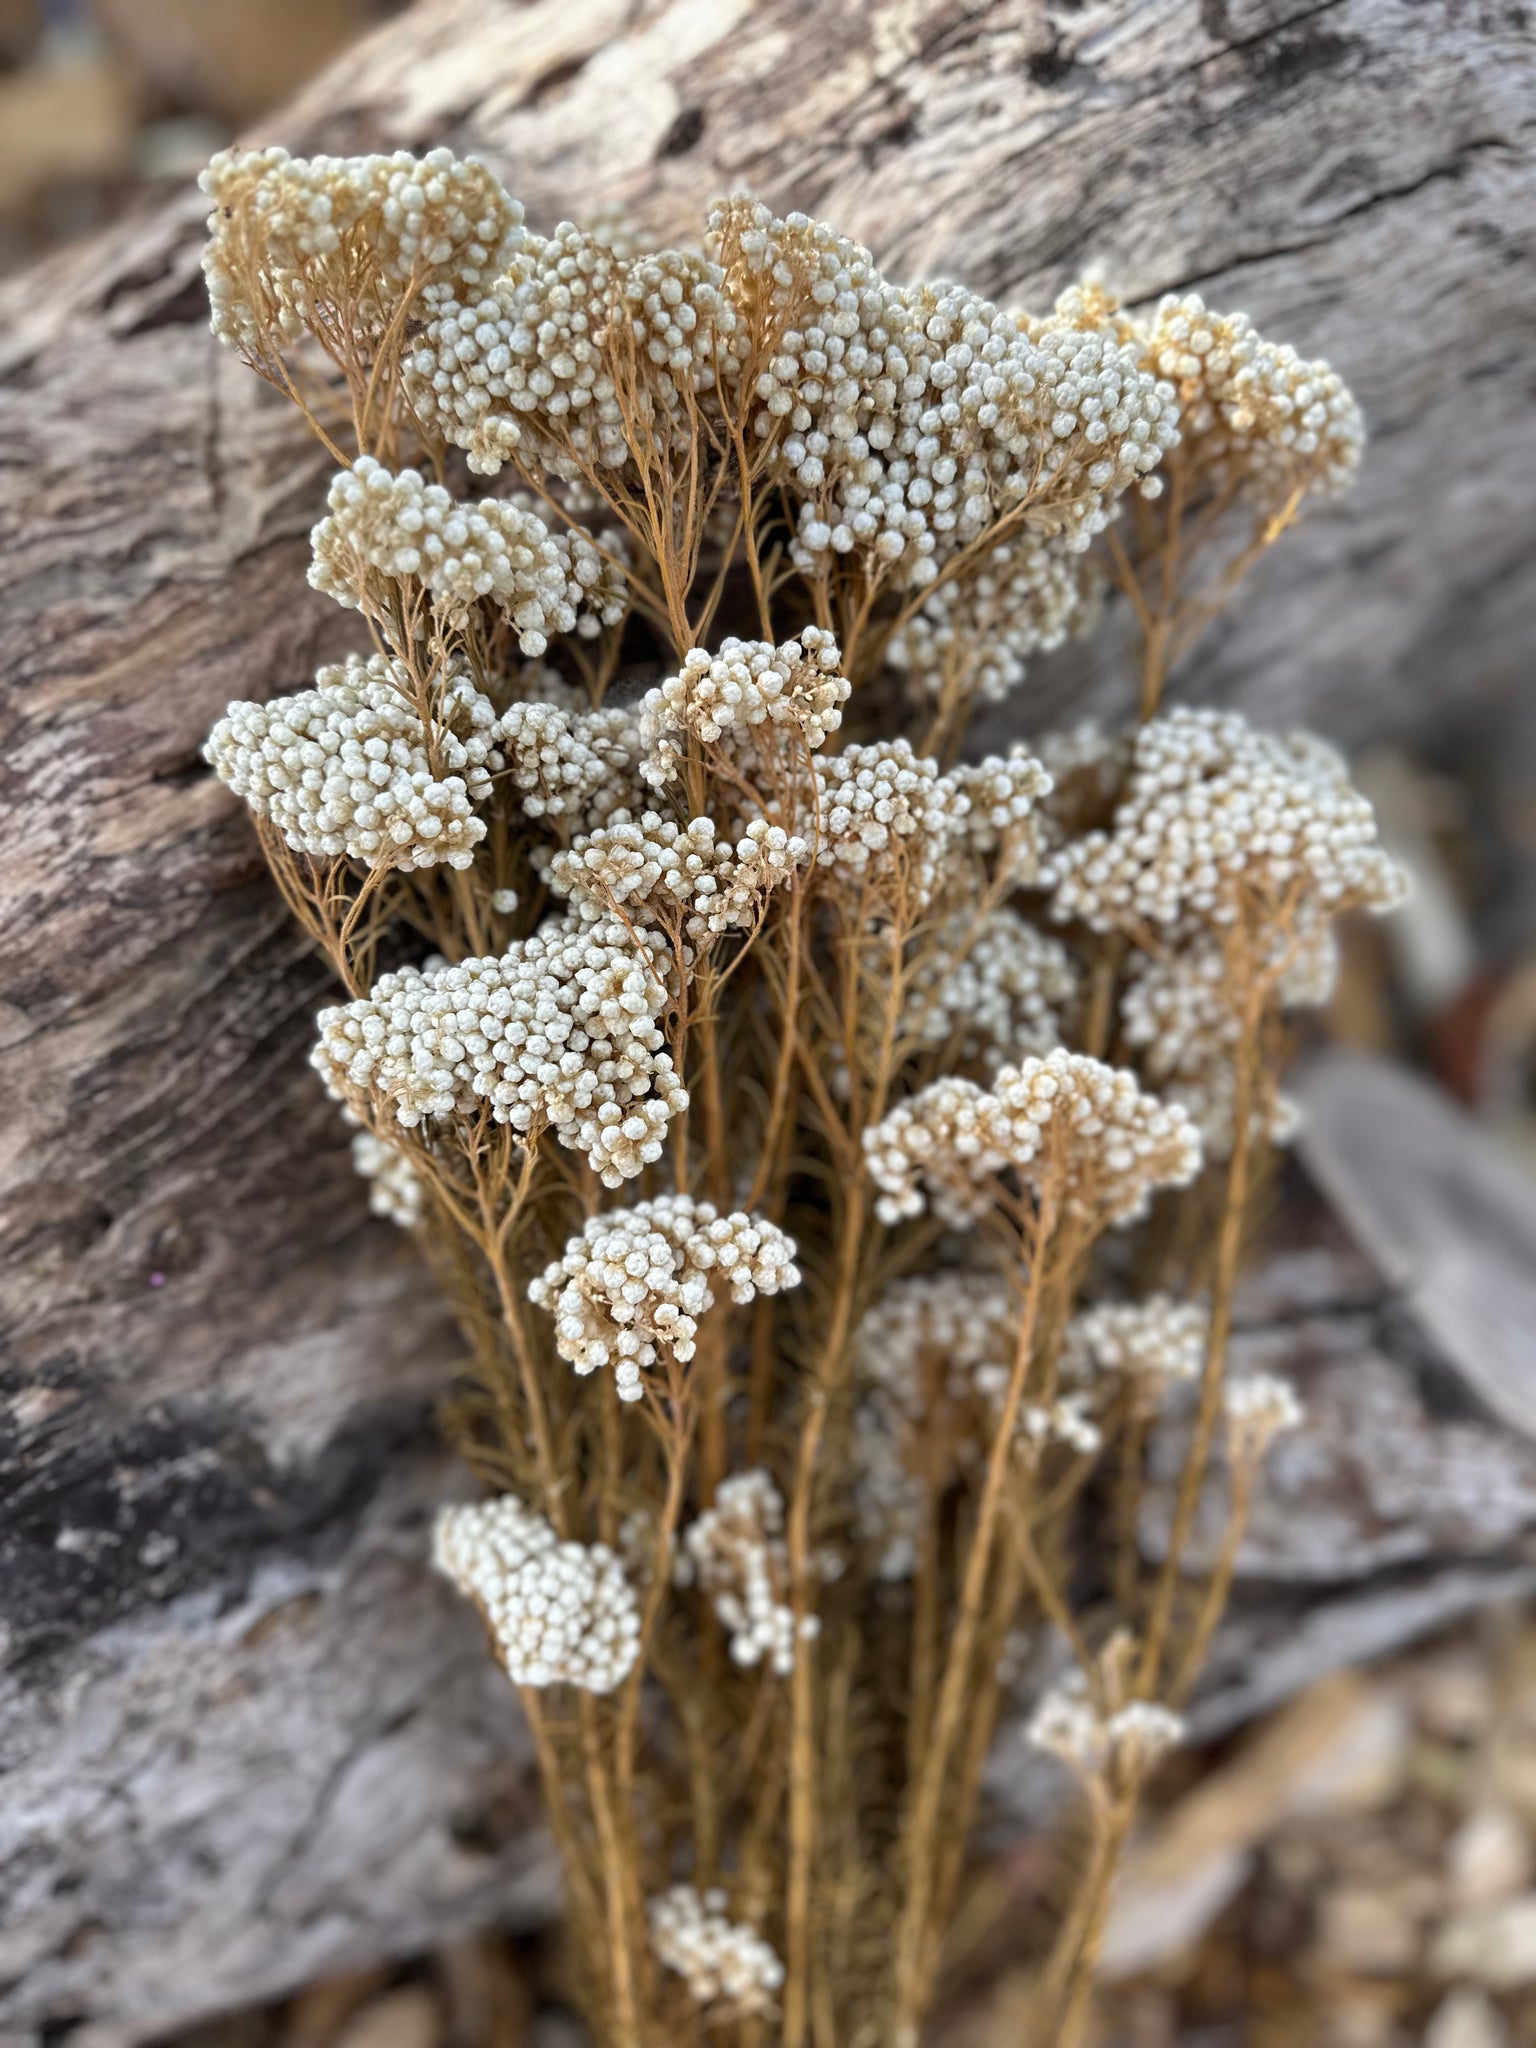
{"x":215,"y":1437}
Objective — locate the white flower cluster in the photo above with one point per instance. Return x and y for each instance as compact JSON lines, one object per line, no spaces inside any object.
{"x":560,"y":1613}
{"x":639,"y":1278}
{"x":532,"y":365}
{"x":887,"y":817}
{"x":1180,"y":1010}
{"x":1216,"y":814}
{"x":394,"y":1186}
{"x":385,"y":523}
{"x":723,"y":1962}
{"x":1066,"y":1123}
{"x":924,"y":1352}
{"x":346,"y":239}
{"x":1001,"y":822}
{"x":1125,"y":1744}
{"x":651,"y":869}
{"x":569,"y":763}
{"x":735,"y":1553}
{"x":1257,"y":1408}
{"x":908,"y":417}
{"x":560,"y":1030}
{"x":1254,"y":417}
{"x":348,"y":769}
{"x":974,"y":636}
{"x":1001,"y":993}
{"x":1067,"y":1421}
{"x":745,"y":690}
{"x":1151,"y":1342}
{"x":495,"y":370}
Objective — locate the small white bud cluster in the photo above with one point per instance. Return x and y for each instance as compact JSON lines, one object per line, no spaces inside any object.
{"x":1180,"y":1010}
{"x":531,"y":365}
{"x":998,"y":994}
{"x":921,"y":1354}
{"x":939,"y":1149}
{"x":1217,"y":814}
{"x":560,"y":1613}
{"x":395,"y":1191}
{"x":1257,"y":1408}
{"x":1152,"y":1342}
{"x":1067,"y":1124}
{"x":560,"y":1030}
{"x":973,"y":638}
{"x":1255,"y":418}
{"x":1001,"y":826}
{"x":520,"y":367}
{"x":933,"y":1360}
{"x":636,"y":1279}
{"x":394,"y":524}
{"x":724,"y":1963}
{"x":735,"y":1553}
{"x":652,"y":870}
{"x":1125,"y":1744}
{"x":907,"y":418}
{"x":744,"y":691}
{"x":352,"y":237}
{"x":348,"y":769}
{"x":568,"y":763}
{"x":682,"y":321}
{"x":1067,"y":1421}
{"x":887,"y":818}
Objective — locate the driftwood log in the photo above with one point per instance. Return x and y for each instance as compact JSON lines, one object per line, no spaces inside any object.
{"x":244,"y":1739}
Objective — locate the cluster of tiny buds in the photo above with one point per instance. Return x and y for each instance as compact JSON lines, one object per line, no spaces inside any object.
{"x":971,"y":642}
{"x":1181,"y":1010}
{"x":907,"y":417}
{"x":638,"y":1279}
{"x":349,"y":769}
{"x":560,"y":1030}
{"x":1254,"y":416}
{"x":998,"y":992}
{"x":735,"y":1554}
{"x":1070,"y":1125}
{"x":887,"y":817}
{"x":922,"y":1353}
{"x":1067,"y":1421}
{"x":572,"y":765}
{"x":1001,"y":824}
{"x":1257,"y":1408}
{"x":395,"y":1191}
{"x":1122,"y":1746}
{"x":652,"y":869}
{"x":397,"y":526}
{"x":749,"y":688}
{"x":725,"y":1964}
{"x":1153,"y":1341}
{"x":298,"y":239}
{"x":1216,"y":815}
{"x":560,"y":1613}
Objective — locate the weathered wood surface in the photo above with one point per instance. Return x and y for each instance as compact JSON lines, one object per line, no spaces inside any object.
{"x":245,"y":1739}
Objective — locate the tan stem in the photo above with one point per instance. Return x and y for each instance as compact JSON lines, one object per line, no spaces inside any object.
{"x":913,"y":1947}
{"x":802,"y":1754}
{"x":1228,"y":1252}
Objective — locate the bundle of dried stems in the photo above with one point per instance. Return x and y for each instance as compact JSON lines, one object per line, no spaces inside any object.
{"x":769,"y":1085}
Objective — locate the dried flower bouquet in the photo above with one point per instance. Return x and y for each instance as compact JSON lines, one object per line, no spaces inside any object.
{"x":836,"y":1149}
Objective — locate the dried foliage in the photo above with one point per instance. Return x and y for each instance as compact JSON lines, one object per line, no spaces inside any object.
{"x":644,"y":846}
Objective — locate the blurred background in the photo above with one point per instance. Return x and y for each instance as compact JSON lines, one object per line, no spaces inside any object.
{"x":1354,"y":1870}
{"x":105,"y":101}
